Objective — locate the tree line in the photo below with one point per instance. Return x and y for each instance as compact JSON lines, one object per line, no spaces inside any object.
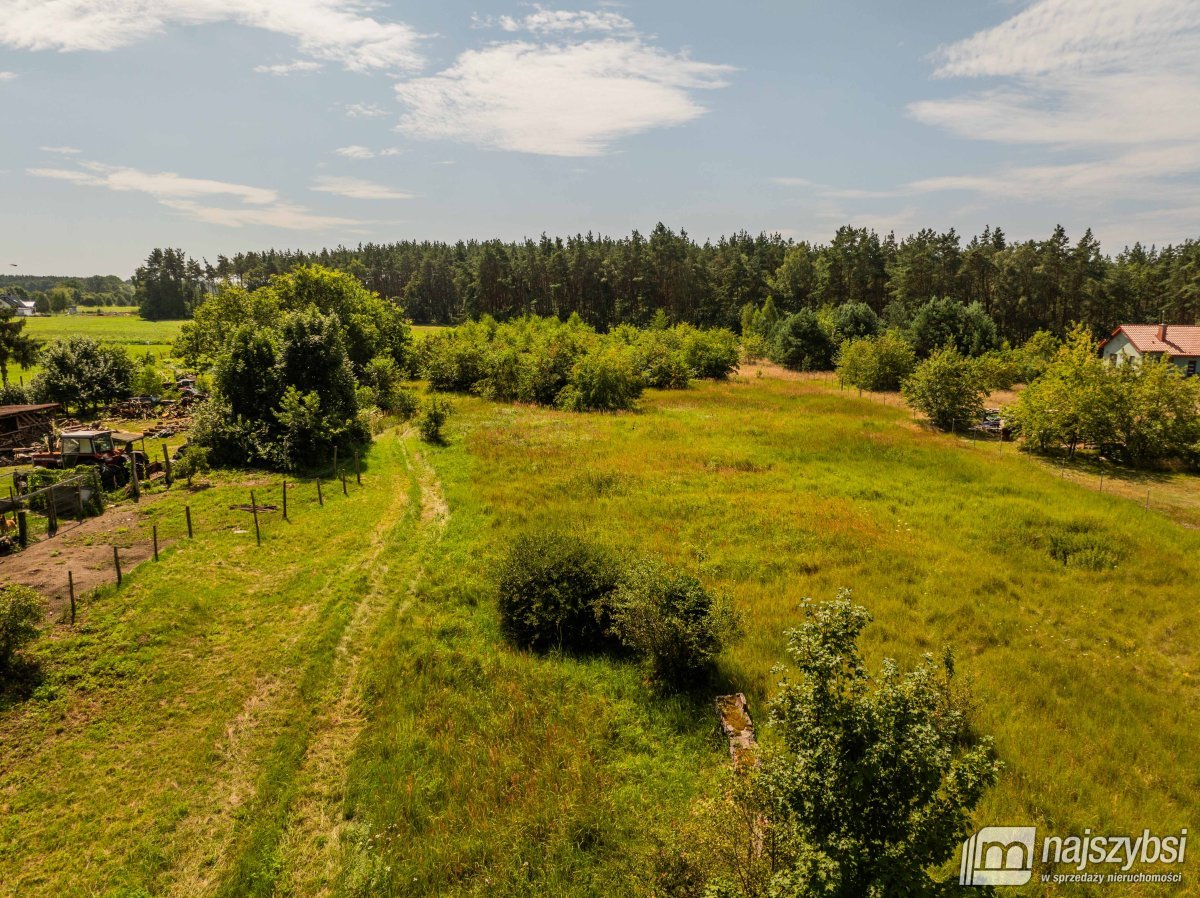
{"x":51,"y":293}
{"x":1024,"y":286}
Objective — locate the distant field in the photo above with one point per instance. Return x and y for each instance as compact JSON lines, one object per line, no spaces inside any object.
{"x":136,"y":335}
{"x":337,"y":714}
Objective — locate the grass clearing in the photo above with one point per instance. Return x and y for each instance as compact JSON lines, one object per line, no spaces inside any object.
{"x":135,"y":334}
{"x":337,"y":714}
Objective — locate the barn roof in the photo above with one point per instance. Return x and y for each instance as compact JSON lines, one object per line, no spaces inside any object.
{"x":7,"y":411}
{"x":1173,"y":339}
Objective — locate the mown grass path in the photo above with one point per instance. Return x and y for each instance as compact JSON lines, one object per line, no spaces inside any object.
{"x":201,"y":698}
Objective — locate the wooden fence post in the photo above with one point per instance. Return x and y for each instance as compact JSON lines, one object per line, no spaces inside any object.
{"x":254,"y":508}
{"x":117,"y":564}
{"x":167,"y":463}
{"x":51,"y":514}
{"x":285,"y":517}
{"x":137,"y":484}
{"x":79,"y":501}
{"x":22,"y":528}
{"x":154,"y":530}
{"x":344,"y":491}
{"x":320,"y":498}
{"x":357,"y":472}
{"x":187,"y":513}
{"x":71,"y":590}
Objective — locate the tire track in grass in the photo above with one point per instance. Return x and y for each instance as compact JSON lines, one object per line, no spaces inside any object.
{"x":312,"y":849}
{"x":237,"y":854}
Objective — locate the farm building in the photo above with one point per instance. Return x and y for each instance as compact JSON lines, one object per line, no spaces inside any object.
{"x":24,"y":308}
{"x":25,"y":425}
{"x":1132,"y":342}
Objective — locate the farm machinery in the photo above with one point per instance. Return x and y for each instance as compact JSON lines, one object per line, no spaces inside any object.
{"x":97,"y":448}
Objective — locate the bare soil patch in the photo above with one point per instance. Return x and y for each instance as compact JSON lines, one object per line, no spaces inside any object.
{"x":84,"y":549}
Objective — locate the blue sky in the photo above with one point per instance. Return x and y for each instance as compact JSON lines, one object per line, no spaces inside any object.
{"x":219,"y":125}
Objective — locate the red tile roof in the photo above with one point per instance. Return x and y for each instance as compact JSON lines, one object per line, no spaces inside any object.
{"x":1177,"y":339}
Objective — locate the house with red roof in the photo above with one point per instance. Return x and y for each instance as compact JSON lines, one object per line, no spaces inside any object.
{"x":1133,"y":342}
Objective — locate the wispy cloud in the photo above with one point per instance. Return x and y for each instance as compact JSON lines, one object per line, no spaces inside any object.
{"x":328,"y":30}
{"x":558,"y":21}
{"x":357,"y":151}
{"x":64,"y":151}
{"x":259,"y":205}
{"x":7,"y":76}
{"x":557,"y":98}
{"x":1111,"y":87}
{"x":365,"y":110}
{"x":356,"y":188}
{"x":289,"y":68}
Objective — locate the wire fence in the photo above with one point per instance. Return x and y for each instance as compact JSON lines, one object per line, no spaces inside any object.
{"x":37,"y":516}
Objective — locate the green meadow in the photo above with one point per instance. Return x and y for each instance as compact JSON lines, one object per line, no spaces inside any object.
{"x":335,"y":713}
{"x":135,"y":334}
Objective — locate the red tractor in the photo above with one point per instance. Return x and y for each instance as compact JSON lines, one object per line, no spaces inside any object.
{"x":94,"y":447}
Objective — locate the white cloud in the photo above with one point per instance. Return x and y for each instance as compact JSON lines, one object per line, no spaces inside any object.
{"x":554,"y":21}
{"x":260,"y":206}
{"x":287,"y":216}
{"x":365,"y":110}
{"x":7,"y":76}
{"x":328,"y":30}
{"x":289,"y":68}
{"x":354,"y":151}
{"x":357,"y":189}
{"x":1109,"y":86}
{"x":65,"y":151}
{"x":557,"y":99}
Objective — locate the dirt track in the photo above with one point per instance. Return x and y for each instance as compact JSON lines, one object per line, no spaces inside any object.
{"x":85,"y":550}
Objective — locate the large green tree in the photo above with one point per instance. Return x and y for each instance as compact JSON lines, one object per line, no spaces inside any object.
{"x":81,"y":373}
{"x":16,"y":346}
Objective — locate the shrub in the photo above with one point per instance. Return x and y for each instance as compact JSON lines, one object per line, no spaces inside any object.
{"x":193,"y":460}
{"x":855,"y":319}
{"x":870,"y":785}
{"x":709,"y":353}
{"x":802,"y":344}
{"x":433,"y":414}
{"x":554,"y":592}
{"x":946,"y":389}
{"x":14,"y":394}
{"x":669,"y":620}
{"x":405,"y":402}
{"x":603,"y":380}
{"x":876,"y":364}
{"x":999,"y":369}
{"x":21,"y":613}
{"x":946,"y":320}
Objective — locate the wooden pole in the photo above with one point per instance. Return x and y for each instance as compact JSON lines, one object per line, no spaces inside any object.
{"x":117,"y":564}
{"x":51,"y":514}
{"x":71,"y":590}
{"x":79,"y":502}
{"x":22,"y":528}
{"x":154,"y":530}
{"x":1101,"y":481}
{"x":344,"y":492}
{"x":167,"y":463}
{"x":357,"y":472}
{"x":187,"y":513}
{"x":285,"y":517}
{"x":137,"y":485}
{"x":320,"y":498}
{"x":254,"y":508}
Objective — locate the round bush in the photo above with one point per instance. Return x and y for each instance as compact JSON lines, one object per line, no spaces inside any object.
{"x":21,"y":613}
{"x":554,"y":592}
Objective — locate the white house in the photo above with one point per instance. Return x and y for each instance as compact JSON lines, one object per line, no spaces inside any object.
{"x":24,"y":308}
{"x":1132,"y":342}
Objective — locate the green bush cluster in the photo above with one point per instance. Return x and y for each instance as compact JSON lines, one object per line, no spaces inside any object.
{"x":559,"y":591}
{"x":547,"y":361}
{"x":876,"y":363}
{"x":947,"y":389}
{"x":432,"y":413}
